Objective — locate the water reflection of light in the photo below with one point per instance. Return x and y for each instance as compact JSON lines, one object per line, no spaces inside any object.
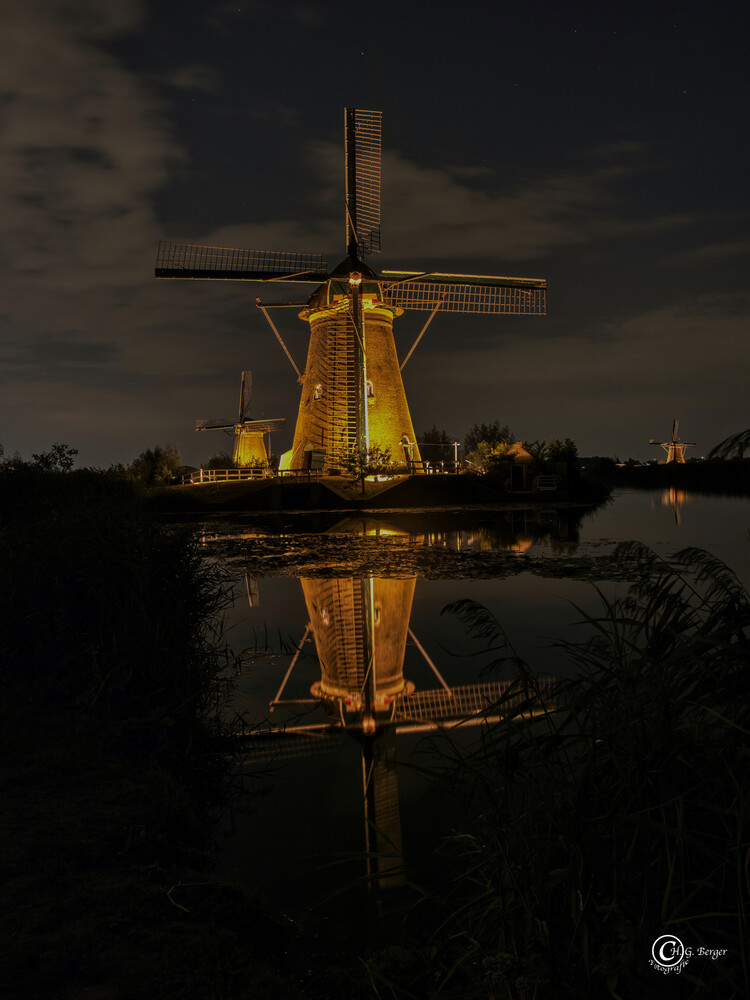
{"x":673,"y":498}
{"x":510,"y":530}
{"x":521,"y":544}
{"x":361,"y":629}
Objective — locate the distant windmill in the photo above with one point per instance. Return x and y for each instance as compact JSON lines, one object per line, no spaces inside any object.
{"x":675,"y":448}
{"x":352,"y":390}
{"x":249,"y":448}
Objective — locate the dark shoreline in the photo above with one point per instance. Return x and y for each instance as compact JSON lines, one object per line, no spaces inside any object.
{"x":408,"y":493}
{"x":715,"y":477}
{"x":463,"y":494}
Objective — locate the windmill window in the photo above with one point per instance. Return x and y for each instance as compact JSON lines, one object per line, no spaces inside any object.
{"x":370,"y":390}
{"x":318,"y":391}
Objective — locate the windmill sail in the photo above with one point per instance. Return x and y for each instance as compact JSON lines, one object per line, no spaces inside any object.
{"x":273,"y":746}
{"x":473,"y":293}
{"x":188,"y":260}
{"x":220,"y":424}
{"x":467,"y":701}
{"x":362,"y":130}
{"x":246,"y":389}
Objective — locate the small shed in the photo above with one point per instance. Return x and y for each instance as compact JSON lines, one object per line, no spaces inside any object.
{"x":520,"y":469}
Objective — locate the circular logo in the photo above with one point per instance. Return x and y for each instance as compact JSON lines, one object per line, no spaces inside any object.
{"x":668,"y":951}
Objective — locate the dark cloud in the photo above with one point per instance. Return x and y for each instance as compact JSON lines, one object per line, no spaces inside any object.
{"x":713,"y":252}
{"x":55,"y":356}
{"x":578,"y":174}
{"x":196,"y":77}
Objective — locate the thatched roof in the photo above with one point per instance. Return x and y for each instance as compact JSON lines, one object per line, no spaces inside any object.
{"x":519,"y":454}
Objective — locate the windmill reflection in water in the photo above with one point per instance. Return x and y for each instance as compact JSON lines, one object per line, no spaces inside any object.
{"x":361,"y":626}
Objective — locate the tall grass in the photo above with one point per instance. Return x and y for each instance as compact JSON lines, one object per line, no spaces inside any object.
{"x":105,"y":612}
{"x":112,"y":663}
{"x":620,"y":813}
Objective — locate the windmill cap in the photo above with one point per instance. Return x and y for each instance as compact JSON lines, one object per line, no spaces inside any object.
{"x":341,"y":276}
{"x":350,"y":265}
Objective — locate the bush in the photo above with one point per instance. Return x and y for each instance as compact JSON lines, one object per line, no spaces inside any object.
{"x":105,"y":610}
{"x":157,"y":466}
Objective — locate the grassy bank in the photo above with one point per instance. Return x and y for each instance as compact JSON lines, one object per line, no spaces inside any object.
{"x":111,"y":656}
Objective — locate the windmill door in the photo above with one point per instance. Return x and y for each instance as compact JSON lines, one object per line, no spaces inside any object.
{"x":315,"y":460}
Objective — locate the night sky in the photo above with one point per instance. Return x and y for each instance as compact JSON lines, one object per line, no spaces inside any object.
{"x":603,"y":146}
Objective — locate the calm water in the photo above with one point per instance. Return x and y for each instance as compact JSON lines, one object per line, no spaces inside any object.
{"x":372,"y":590}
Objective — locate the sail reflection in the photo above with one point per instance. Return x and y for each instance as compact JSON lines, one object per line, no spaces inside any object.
{"x":361,"y":629}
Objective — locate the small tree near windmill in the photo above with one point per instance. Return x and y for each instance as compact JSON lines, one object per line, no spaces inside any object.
{"x":492,"y":434}
{"x":562,"y":451}
{"x":363,"y":462}
{"x":537,"y":450}
{"x":491,"y":458}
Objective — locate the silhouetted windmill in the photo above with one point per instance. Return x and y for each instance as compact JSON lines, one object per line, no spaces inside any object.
{"x":249,"y":448}
{"x":675,"y":448}
{"x":352,"y":390}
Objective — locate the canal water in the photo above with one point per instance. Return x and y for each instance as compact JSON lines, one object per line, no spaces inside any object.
{"x":319,"y":597}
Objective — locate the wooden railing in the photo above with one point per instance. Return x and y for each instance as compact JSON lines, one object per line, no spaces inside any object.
{"x":434,"y":468}
{"x":545,"y":484}
{"x":235,"y":475}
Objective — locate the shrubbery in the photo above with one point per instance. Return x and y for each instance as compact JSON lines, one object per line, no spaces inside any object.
{"x":106,"y":610}
{"x":113,"y":670}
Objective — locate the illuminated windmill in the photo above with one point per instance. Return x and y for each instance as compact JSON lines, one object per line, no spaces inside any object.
{"x":249,"y":448}
{"x":360,"y":627}
{"x":675,"y":448}
{"x":352,"y":391}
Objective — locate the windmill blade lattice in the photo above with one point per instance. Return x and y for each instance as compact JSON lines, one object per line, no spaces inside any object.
{"x":246,"y":391}
{"x":220,"y":424}
{"x":467,"y":293}
{"x":189,"y":260}
{"x":274,"y":746}
{"x":363,"y":142}
{"x":467,"y":701}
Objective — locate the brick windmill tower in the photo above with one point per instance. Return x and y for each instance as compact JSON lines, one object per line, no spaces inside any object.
{"x":352,"y":390}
